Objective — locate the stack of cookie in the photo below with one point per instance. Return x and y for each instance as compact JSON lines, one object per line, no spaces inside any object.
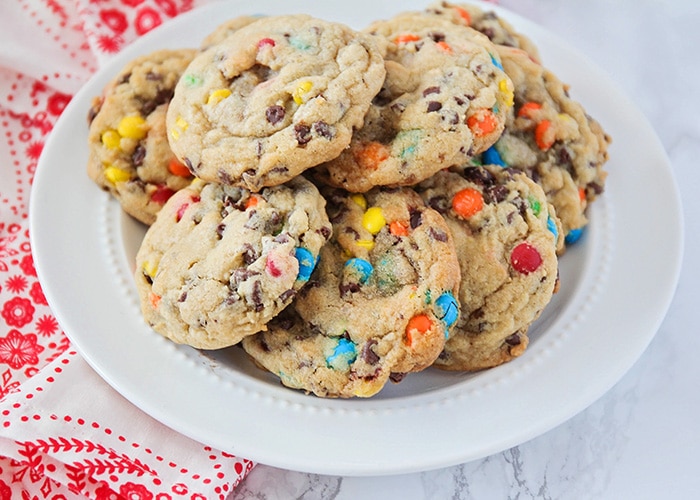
{"x":349,"y":206}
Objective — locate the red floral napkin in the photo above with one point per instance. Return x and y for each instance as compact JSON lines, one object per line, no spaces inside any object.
{"x":53,"y":444}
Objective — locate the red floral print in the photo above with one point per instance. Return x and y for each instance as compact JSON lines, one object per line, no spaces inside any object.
{"x":104,"y":492}
{"x":110,"y":44}
{"x":37,"y":294}
{"x":46,"y":326}
{"x":18,"y":350}
{"x":131,"y":491}
{"x":16,"y":284}
{"x":27,"y":265}
{"x":57,"y":102}
{"x":18,"y":312}
{"x":147,"y":19}
{"x":5,"y":491}
{"x":115,"y":19}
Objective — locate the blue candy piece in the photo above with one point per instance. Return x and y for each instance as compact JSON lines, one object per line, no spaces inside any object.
{"x":307,"y":263}
{"x":573,"y":236}
{"x":496,"y":62}
{"x":492,"y":157}
{"x":343,"y":355}
{"x":552,"y":226}
{"x":361,"y":267}
{"x":447,"y":308}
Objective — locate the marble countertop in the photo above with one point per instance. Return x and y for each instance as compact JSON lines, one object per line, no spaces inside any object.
{"x":640,"y":439}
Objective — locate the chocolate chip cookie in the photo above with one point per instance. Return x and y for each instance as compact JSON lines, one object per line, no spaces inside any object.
{"x":506,"y":236}
{"x":444,"y":100}
{"x":380,"y":304}
{"x":274,"y":98}
{"x":219,"y":261}
{"x":129,"y":154}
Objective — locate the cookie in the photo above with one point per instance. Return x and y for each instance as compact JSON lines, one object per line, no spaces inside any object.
{"x":219,"y":261}
{"x":497,"y":29}
{"x":553,"y":139}
{"x":506,"y":237}
{"x":225,"y":29}
{"x":380,"y":303}
{"x":444,"y":100}
{"x":273,"y":99}
{"x":129,"y":154}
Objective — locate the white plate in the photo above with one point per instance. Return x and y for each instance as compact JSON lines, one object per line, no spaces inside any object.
{"x":616,"y":286}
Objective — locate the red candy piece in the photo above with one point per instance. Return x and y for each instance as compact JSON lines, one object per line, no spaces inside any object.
{"x":525,"y":258}
{"x":266,"y":42}
{"x":183,"y":207}
{"x":272,"y":268}
{"x":161,"y":194}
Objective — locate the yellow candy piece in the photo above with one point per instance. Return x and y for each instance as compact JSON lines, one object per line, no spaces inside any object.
{"x":299,"y":92}
{"x":111,"y":139}
{"x":504,"y":87}
{"x":181,"y":125}
{"x":132,"y":127}
{"x":115,"y":174}
{"x":366,"y":244}
{"x":150,"y":269}
{"x":360,"y":200}
{"x":373,"y":220}
{"x":217,"y":96}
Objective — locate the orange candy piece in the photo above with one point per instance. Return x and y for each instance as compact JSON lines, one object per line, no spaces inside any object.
{"x":420,"y":323}
{"x":154,"y":299}
{"x":544,"y":139}
{"x":482,"y":123}
{"x":409,"y":37}
{"x":528,"y":108}
{"x":398,"y":228}
{"x":251,"y":202}
{"x":467,"y":202}
{"x":371,"y":155}
{"x":444,"y":46}
{"x":464,"y":15}
{"x":177,"y":168}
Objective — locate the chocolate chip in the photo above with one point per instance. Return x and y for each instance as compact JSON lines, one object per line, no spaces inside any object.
{"x":323,"y":129}
{"x":367,"y":354}
{"x":437,"y":234}
{"x":241,"y":274}
{"x":434,"y":106}
{"x":513,"y":340}
{"x":415,"y":217}
{"x":302,"y":133}
{"x":249,"y":254}
{"x":431,"y":90}
{"x":495,"y":194}
{"x":439,"y":203}
{"x":138,"y":155}
{"x":436,"y":36}
{"x":396,"y":377}
{"x":287,"y":295}
{"x":224,"y":177}
{"x":220,"y":230}
{"x":479,"y":176}
{"x":325,"y":231}
{"x":124,"y":78}
{"x":274,"y":114}
{"x":256,"y":297}
{"x":347,"y":288}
